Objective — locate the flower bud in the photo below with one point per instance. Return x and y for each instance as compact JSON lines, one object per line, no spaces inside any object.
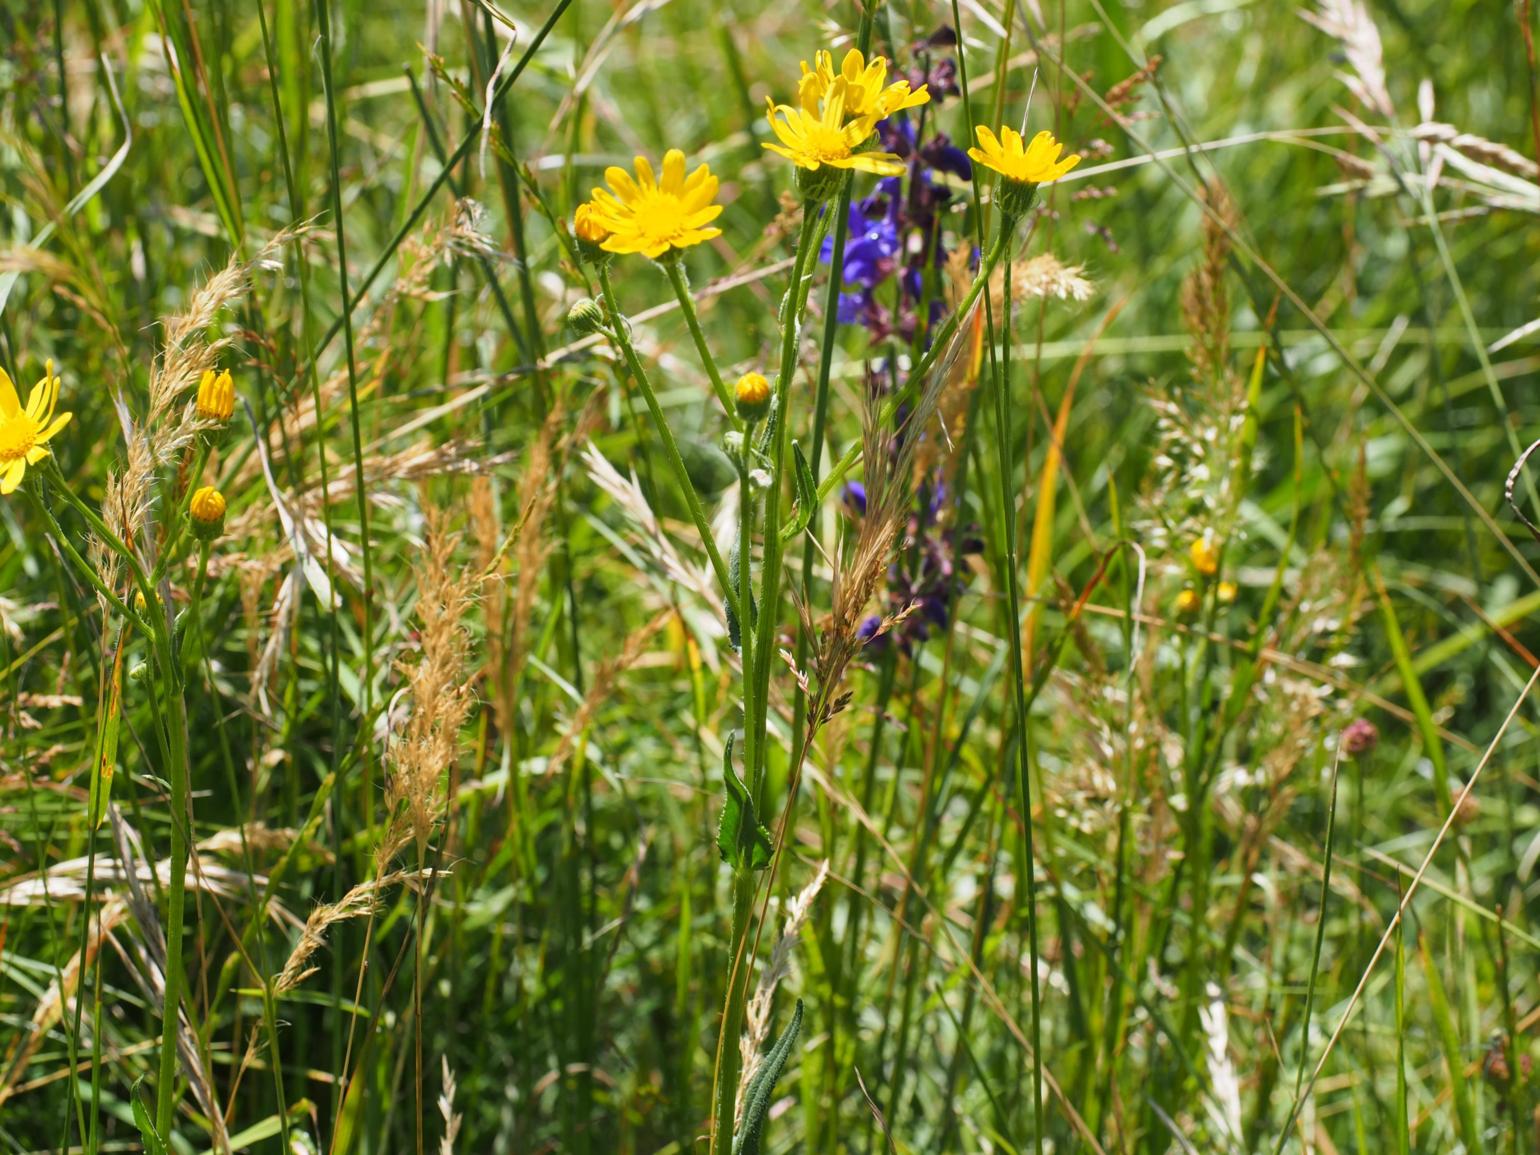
{"x":590,"y":234}
{"x":1187,"y":602}
{"x":216,"y":396}
{"x":1016,"y":197}
{"x":1204,"y":553}
{"x":1360,"y":737}
{"x":751,"y":396}
{"x":206,"y":511}
{"x":820,"y":184}
{"x":586,"y":317}
{"x":1226,"y":592}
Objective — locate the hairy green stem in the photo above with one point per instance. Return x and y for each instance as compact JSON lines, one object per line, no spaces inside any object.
{"x":729,"y":1061}
{"x":757,"y":677}
{"x":675,"y":269}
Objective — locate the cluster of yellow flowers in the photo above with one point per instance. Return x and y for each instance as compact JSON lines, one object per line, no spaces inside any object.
{"x":25,"y":431}
{"x":831,"y":127}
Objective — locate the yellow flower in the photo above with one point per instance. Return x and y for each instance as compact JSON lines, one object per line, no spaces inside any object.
{"x":216,"y":396}
{"x":1035,"y":163}
{"x":817,"y":139}
{"x":1187,"y":602}
{"x":865,"y":94}
{"x":1204,"y":552}
{"x":651,"y":217}
{"x":24,"y":433}
{"x":207,"y":511}
{"x":1226,"y":592}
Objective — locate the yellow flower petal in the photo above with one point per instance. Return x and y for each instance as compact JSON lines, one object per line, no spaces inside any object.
{"x":673,"y":171}
{"x":54,"y":426}
{"x":12,"y":476}
{"x":10,"y":403}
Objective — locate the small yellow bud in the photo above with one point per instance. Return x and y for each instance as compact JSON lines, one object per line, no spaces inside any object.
{"x":751,"y":396}
{"x":1187,"y":602}
{"x":1205,"y":554}
{"x":590,"y":234}
{"x":207,"y":512}
{"x":586,"y":226}
{"x":216,"y":396}
{"x":1226,"y":592}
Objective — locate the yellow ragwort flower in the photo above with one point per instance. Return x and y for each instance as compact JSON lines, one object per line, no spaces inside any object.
{"x":216,"y":396}
{"x":867,"y":93}
{"x":1035,"y":163}
{"x":24,"y":432}
{"x":818,"y":139}
{"x":649,"y":216}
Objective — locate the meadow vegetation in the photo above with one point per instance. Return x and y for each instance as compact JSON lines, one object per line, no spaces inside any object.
{"x":688,"y":576}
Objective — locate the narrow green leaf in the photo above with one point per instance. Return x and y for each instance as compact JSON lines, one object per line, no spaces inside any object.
{"x":153,"y":1143}
{"x":1454,"y":1054}
{"x":105,"y":762}
{"x":807,"y":495}
{"x":756,"y":1101}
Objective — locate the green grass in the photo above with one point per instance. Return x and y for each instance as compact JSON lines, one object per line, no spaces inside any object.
{"x":1086,"y":867}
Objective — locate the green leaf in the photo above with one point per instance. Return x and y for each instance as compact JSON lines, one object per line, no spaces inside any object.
{"x":756,"y":1101}
{"x":734,"y":626}
{"x":710,"y":470}
{"x":738,"y":816}
{"x":153,"y":1143}
{"x":807,"y":495}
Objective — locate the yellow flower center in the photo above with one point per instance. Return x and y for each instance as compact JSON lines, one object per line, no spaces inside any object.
{"x":660,"y":216}
{"x":18,"y":434}
{"x":824,"y":142}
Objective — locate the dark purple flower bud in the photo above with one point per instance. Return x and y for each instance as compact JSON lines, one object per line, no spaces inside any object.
{"x":942,"y":79}
{"x":855,"y":497}
{"x":943,"y":156}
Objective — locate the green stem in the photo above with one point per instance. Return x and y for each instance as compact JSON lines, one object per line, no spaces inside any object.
{"x":746,"y":624}
{"x":675,"y":269}
{"x":1018,"y":673}
{"x":157,"y":625}
{"x":770,"y":565}
{"x":178,"y":527}
{"x":756,"y":690}
{"x":670,"y":446}
{"x":729,"y":1061}
{"x":181,"y":820}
